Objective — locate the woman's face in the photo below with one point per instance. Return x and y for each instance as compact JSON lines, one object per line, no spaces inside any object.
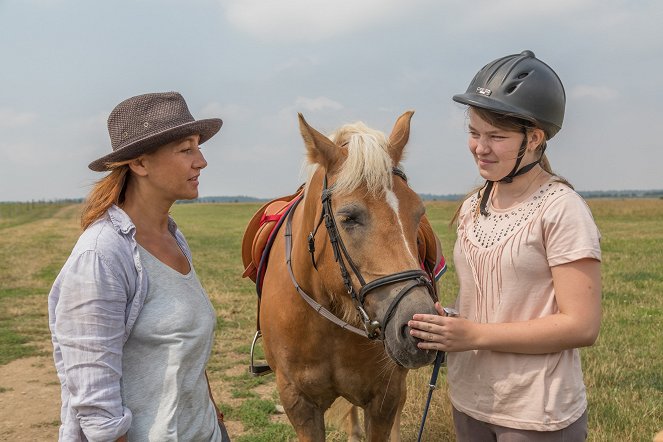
{"x":173,"y":169}
{"x":495,"y":150}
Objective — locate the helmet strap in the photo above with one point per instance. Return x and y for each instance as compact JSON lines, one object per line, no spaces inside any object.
{"x":488,"y":187}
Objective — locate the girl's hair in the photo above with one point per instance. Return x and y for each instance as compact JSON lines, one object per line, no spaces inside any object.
{"x":107,"y":191}
{"x":510,"y":123}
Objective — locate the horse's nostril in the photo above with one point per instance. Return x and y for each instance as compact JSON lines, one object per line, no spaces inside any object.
{"x":405,"y":331}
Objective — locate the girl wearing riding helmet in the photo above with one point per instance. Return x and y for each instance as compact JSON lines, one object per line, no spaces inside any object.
{"x":527,"y":257}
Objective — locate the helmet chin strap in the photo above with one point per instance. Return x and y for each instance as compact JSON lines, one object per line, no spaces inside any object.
{"x":488,"y":187}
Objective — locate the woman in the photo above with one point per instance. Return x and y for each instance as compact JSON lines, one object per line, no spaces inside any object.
{"x":131,"y":326}
{"x":528,"y":261}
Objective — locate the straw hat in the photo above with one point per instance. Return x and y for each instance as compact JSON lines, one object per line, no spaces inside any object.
{"x":147,"y":121}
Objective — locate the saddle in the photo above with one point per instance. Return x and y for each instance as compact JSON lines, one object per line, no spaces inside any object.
{"x":260,"y":233}
{"x":256,"y":244}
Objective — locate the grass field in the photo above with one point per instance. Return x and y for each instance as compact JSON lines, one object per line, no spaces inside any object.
{"x":623,"y":371}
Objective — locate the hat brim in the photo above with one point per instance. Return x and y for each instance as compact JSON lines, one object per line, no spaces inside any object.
{"x":491,"y":105}
{"x":206,"y":128}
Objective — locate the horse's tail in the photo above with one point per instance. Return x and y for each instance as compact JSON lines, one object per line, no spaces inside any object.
{"x":342,"y":415}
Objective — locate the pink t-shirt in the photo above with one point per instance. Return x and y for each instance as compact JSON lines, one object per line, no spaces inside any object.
{"x":503,"y":264}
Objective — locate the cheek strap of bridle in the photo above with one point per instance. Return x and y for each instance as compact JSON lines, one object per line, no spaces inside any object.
{"x":305,"y":296}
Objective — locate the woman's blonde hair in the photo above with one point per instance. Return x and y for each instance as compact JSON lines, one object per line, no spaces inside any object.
{"x":510,"y":123}
{"x":107,"y":191}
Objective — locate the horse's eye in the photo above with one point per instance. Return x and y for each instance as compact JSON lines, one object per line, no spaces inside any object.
{"x":349,"y":220}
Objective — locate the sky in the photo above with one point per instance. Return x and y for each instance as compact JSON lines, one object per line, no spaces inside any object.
{"x":64,"y":65}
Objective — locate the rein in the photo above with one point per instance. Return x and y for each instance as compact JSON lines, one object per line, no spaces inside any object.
{"x":372,"y":328}
{"x":440,"y":358}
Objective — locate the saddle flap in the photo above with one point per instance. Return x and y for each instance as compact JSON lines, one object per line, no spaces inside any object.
{"x":258,"y":230}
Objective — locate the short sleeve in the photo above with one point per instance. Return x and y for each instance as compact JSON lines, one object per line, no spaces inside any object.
{"x":569,"y":230}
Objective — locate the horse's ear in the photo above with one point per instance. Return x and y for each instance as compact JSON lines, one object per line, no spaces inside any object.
{"x":399,"y":136}
{"x":319,"y":149}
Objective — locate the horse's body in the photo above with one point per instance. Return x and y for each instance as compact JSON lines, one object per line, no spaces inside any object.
{"x":377,"y":216}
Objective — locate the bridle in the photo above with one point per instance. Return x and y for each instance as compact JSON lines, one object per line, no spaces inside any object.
{"x":372,"y":327}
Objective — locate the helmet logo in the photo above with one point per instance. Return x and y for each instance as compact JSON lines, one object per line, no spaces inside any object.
{"x":484,"y":91}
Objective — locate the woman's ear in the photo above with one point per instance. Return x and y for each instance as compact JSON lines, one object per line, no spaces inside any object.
{"x":137,"y":166}
{"x":536,"y":138}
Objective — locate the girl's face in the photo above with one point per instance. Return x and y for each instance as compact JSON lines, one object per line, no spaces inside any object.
{"x":495,"y":150}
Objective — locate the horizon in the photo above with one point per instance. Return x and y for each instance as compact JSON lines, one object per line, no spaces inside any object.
{"x":587,"y":194}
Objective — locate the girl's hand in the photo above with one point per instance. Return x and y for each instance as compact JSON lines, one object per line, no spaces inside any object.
{"x":441,"y":332}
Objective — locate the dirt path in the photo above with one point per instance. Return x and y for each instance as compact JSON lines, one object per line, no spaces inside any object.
{"x":29,"y":400}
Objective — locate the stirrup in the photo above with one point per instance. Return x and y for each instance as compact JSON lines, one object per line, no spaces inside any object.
{"x":259,"y":369}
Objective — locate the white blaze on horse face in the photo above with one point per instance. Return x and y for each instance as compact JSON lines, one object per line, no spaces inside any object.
{"x":392,"y":200}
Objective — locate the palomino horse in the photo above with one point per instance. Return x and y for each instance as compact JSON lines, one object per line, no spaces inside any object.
{"x":344,"y":277}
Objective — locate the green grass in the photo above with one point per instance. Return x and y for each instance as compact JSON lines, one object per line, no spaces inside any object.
{"x":15,"y":214}
{"x":623,"y":371}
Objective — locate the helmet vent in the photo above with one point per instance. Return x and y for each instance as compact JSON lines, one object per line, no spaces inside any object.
{"x":509,"y":90}
{"x":522,"y":75}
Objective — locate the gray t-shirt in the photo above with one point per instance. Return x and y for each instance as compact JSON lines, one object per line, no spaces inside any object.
{"x":164,"y":359}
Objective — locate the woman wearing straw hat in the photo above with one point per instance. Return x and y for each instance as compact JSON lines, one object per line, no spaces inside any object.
{"x":132,"y":328}
{"x":528,"y":262}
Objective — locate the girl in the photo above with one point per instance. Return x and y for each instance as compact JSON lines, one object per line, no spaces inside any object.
{"x":527,"y":257}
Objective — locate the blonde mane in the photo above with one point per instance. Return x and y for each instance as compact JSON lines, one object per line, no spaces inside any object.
{"x":368,"y":161}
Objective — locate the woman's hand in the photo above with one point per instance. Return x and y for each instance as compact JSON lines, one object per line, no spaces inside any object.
{"x":442,"y":332}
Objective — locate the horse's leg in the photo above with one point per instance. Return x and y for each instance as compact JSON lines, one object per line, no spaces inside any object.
{"x":307,"y":419}
{"x":395,"y":435}
{"x":353,"y":429}
{"x":379,"y":422}
{"x":383,"y":414}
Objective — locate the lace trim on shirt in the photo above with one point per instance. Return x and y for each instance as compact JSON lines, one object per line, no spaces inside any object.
{"x":487,"y":237}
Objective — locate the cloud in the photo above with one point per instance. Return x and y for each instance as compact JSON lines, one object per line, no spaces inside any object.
{"x":311,"y":20}
{"x":316,"y":104}
{"x":602,"y":93}
{"x":10,"y":118}
{"x":525,"y":15}
{"x":286,"y":120}
{"x":297,"y":64}
{"x":22,"y":154}
{"x":489,"y":15}
{"x":235,"y":112}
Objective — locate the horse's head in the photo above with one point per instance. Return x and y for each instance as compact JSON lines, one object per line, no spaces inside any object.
{"x":364,"y":199}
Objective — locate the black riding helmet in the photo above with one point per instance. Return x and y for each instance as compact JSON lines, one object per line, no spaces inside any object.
{"x":520,"y":86}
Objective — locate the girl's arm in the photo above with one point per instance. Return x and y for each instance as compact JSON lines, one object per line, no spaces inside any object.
{"x":578,"y":294}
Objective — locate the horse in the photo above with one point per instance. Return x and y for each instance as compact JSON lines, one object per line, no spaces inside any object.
{"x":344,"y":277}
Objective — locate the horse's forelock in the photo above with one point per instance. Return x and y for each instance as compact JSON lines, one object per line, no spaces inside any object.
{"x":368,"y":161}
